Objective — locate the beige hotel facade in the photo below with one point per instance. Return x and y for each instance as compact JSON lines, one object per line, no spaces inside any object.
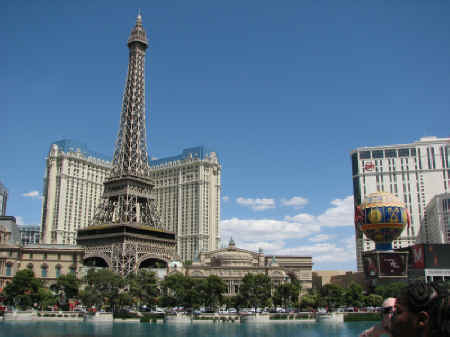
{"x":187,"y":188}
{"x":414,"y":172}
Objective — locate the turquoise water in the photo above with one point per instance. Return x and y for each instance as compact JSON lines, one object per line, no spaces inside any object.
{"x":276,"y":329}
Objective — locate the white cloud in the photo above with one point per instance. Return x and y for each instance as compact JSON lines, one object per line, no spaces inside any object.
{"x":323,"y":253}
{"x":342,"y":214}
{"x":321,"y":238}
{"x":32,"y":194}
{"x":225,"y":198}
{"x":256,"y":204}
{"x":253,"y":230}
{"x":301,"y":217}
{"x":264,"y":245}
{"x":296,"y":202}
{"x":272,"y":235}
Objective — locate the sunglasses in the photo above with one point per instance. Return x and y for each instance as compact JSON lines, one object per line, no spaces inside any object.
{"x":388,"y":310}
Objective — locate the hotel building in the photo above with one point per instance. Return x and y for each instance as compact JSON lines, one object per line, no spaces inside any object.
{"x":73,"y":186}
{"x":435,"y":226}
{"x":414,"y":172}
{"x":187,"y":188}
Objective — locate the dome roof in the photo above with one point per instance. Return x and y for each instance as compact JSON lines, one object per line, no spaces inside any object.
{"x":232,"y":256}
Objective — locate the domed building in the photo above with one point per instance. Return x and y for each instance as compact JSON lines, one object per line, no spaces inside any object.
{"x":233,"y":263}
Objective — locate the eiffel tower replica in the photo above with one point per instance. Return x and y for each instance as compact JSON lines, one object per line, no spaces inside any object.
{"x":126,"y":229}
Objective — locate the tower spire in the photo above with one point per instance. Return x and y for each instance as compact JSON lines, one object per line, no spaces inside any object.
{"x":138,"y":33}
{"x":126,"y":228}
{"x":128,"y":196}
{"x":130,"y":155}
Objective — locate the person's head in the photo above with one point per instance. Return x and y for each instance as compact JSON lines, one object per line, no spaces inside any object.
{"x":422,"y":310}
{"x":388,"y":309}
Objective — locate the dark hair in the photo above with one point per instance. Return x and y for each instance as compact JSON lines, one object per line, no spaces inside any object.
{"x":432,"y":298}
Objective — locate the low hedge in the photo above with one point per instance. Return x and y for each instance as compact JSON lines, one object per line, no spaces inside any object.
{"x":125,"y":315}
{"x":147,"y":318}
{"x":279,"y":316}
{"x":204,"y":318}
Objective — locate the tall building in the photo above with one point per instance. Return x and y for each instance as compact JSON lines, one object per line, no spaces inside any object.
{"x":3,"y":199}
{"x":73,"y":186}
{"x":435,"y":226}
{"x":414,"y":172}
{"x":188,"y":189}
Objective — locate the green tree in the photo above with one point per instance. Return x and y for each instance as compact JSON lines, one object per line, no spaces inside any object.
{"x":47,"y":298}
{"x":308,"y":302}
{"x":236,"y":301}
{"x":374,"y":300}
{"x":286,"y":294}
{"x":23,"y":290}
{"x":354,"y":295}
{"x":256,"y":290}
{"x":332,"y":295}
{"x":144,"y":287}
{"x":180,"y":290}
{"x":390,"y":290}
{"x":105,"y":286}
{"x":91,"y":297}
{"x":213,"y":289}
{"x":172,"y":290}
{"x":69,"y":284}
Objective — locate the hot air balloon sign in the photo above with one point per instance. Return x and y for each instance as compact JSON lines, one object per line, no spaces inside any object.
{"x":382,"y":217}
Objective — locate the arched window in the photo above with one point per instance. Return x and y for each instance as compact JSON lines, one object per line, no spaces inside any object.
{"x":44,"y":268}
{"x":30,"y":266}
{"x":8,"y":269}
{"x":58,"y":270}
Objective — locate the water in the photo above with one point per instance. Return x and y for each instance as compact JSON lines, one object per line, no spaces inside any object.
{"x":206,"y":329}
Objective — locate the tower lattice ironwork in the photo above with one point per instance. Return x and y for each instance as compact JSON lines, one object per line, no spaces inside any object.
{"x":126,"y":227}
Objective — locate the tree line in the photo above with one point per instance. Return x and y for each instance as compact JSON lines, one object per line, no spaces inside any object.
{"x":105,"y":289}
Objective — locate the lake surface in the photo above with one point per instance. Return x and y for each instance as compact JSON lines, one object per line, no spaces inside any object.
{"x":207,"y":329}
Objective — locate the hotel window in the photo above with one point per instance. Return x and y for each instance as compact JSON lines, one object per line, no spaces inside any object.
{"x":44,"y":271}
{"x":377,"y":154}
{"x":58,"y":271}
{"x":390,"y":153}
{"x":8,"y":269}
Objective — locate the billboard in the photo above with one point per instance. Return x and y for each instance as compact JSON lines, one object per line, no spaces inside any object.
{"x":393,"y":264}
{"x":370,"y":265}
{"x":431,"y":256}
{"x":379,"y":264}
{"x":417,"y":257}
{"x":437,"y":256}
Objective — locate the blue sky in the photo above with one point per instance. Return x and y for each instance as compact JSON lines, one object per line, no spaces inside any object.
{"x":281,"y":90}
